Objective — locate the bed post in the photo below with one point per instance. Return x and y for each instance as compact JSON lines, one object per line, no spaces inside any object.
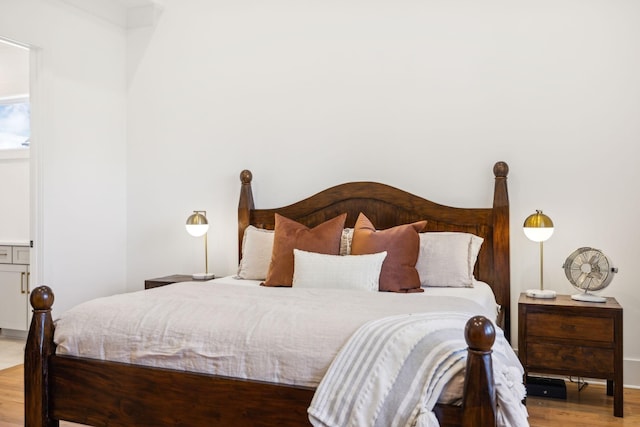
{"x":502,"y":273}
{"x":245,"y":206}
{"x":479,"y":398}
{"x":38,"y":348}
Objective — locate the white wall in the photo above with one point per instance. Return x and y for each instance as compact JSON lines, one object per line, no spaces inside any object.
{"x":80,"y":153}
{"x":14,"y":70}
{"x":425,"y":96}
{"x":14,"y":194}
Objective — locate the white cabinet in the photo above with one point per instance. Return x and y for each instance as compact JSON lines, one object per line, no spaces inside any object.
{"x":20,"y":254}
{"x":14,"y":287}
{"x":6,"y":254}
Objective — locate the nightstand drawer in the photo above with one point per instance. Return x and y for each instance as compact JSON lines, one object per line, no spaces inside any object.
{"x":598,"y":362}
{"x":551,"y":325}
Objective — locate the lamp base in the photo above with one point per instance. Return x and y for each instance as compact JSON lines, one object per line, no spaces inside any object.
{"x":202,"y":276}
{"x":541,"y":293}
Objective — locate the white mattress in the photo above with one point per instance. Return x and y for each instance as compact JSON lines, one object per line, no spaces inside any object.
{"x":240,"y":329}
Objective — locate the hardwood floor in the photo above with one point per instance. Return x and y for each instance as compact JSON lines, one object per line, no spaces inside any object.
{"x":11,"y":398}
{"x":589,"y":408}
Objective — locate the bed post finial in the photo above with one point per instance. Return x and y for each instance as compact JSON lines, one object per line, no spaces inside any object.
{"x":501,"y":170}
{"x":246,"y":176}
{"x":479,"y":402}
{"x":42,"y":298}
{"x":479,"y":333}
{"x":39,"y":348}
{"x":245,"y":206}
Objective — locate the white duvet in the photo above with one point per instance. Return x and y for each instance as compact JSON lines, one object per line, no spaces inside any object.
{"x":282,"y":335}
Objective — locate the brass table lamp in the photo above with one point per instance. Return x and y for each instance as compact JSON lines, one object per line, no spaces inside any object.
{"x":538,"y":227}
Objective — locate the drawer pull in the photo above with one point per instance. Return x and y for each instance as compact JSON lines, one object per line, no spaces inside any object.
{"x":22,"y":283}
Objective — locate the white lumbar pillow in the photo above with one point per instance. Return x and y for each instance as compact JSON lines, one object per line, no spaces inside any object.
{"x":313,"y":270}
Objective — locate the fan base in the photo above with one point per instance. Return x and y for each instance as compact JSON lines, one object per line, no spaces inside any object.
{"x":588,"y":298}
{"x":541,"y":293}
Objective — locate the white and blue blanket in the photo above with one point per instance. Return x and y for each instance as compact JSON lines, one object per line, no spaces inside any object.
{"x":392,"y":371}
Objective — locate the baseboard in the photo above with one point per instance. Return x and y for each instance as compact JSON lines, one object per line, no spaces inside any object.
{"x":13,"y":334}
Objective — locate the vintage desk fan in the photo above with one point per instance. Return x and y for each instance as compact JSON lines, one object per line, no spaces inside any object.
{"x":589,"y":270}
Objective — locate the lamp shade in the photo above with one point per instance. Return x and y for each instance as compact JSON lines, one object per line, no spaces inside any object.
{"x":538,"y":227}
{"x":197,"y":224}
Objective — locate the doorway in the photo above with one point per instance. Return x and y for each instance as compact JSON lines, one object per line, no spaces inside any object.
{"x":16,"y":185}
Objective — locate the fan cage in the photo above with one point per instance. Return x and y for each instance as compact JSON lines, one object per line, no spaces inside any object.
{"x":589,"y":270}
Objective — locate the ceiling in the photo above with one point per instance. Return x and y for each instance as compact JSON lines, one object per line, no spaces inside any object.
{"x":134,"y":3}
{"x":124,"y":13}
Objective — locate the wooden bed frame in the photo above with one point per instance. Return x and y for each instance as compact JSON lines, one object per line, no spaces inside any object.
{"x":105,"y":393}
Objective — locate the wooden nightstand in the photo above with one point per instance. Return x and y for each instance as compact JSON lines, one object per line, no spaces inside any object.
{"x":167,"y":280}
{"x":565,"y":337}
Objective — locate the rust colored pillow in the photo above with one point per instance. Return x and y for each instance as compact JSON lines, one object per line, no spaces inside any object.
{"x":289,"y":235}
{"x":402,"y":244}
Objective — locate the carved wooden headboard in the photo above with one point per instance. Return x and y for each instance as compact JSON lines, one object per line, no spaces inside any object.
{"x":388,"y":206}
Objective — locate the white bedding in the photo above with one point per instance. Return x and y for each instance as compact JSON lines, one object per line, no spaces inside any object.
{"x":481,"y":293}
{"x":236,"y":328}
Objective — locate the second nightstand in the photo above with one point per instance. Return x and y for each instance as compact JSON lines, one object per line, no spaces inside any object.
{"x":167,"y":280}
{"x":565,"y":337}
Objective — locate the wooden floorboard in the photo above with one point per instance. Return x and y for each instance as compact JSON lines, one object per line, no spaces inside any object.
{"x":11,"y":397}
{"x":589,"y":408}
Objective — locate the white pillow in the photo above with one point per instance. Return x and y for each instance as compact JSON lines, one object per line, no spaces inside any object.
{"x":257,"y":245}
{"x":447,"y":258}
{"x":358,"y":272}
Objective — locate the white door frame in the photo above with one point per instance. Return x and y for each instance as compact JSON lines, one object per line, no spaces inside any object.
{"x":38,"y":136}
{"x":39,"y":128}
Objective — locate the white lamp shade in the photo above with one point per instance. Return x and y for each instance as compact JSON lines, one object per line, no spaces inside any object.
{"x":538,"y":234}
{"x":197,"y":230}
{"x":538,"y":227}
{"x":197,"y":224}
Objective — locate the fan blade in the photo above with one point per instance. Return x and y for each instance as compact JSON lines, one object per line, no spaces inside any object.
{"x":582,"y":258}
{"x":596,"y":275}
{"x":580,"y":279}
{"x":603,"y":263}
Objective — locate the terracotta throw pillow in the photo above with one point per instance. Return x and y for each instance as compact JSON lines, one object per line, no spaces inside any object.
{"x":289,"y":235}
{"x":402,"y":244}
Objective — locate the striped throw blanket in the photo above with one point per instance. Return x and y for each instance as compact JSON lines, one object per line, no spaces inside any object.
{"x":392,"y":371}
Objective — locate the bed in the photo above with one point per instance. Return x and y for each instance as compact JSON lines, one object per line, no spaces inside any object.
{"x":105,"y":392}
